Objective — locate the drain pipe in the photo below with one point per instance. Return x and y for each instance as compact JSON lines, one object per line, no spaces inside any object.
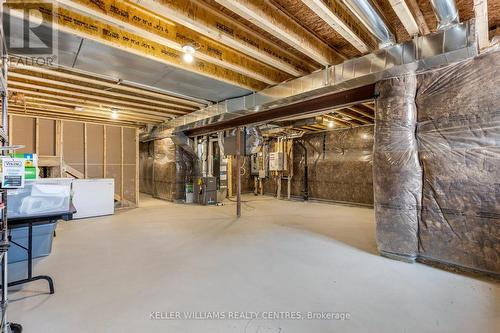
{"x":306,"y":180}
{"x":364,"y":11}
{"x":446,"y":12}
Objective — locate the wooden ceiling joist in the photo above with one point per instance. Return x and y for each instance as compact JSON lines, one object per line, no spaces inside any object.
{"x":85,"y":102}
{"x":100,"y":110}
{"x":87,"y":27}
{"x":36,"y":88}
{"x":68,"y":115}
{"x":41,"y":106}
{"x":153,"y":27}
{"x":199,"y":17}
{"x":330,"y":12}
{"x":363,"y":110}
{"x":482,"y":29}
{"x":272,"y":20}
{"x":66,"y":73}
{"x":64,"y":86}
{"x":338,"y":121}
{"x":56,"y":115}
{"x":418,"y":16}
{"x":346,"y":113}
{"x":405,"y":15}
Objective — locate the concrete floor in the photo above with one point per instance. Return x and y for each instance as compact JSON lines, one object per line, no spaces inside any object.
{"x":112,"y":272}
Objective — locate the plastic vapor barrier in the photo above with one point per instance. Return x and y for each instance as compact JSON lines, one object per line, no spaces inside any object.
{"x":164,"y":169}
{"x":437,"y":165}
{"x":397,"y":175}
{"x":339,"y":166}
{"x":459,"y":142}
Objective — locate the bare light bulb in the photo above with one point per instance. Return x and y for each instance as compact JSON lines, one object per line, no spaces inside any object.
{"x":331,"y":124}
{"x":187,"y":57}
{"x":114,"y":115}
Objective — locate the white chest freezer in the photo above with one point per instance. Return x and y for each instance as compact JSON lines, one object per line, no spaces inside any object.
{"x":93,"y":197}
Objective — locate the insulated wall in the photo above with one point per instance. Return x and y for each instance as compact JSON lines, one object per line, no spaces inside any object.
{"x":146,"y":157}
{"x":81,"y":150}
{"x":437,"y":172}
{"x":165,"y":168}
{"x":339,"y":166}
{"x":459,"y":142}
{"x":397,"y":175}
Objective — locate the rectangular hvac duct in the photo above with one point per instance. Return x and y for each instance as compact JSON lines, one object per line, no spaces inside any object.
{"x":454,"y":44}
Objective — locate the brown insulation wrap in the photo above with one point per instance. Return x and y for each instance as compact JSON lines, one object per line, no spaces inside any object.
{"x":164,"y":169}
{"x":339,"y":165}
{"x":146,"y":153}
{"x":184,"y":172}
{"x":397,"y":175}
{"x":459,"y":142}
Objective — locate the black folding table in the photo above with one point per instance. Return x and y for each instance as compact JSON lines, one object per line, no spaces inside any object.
{"x":30,"y":221}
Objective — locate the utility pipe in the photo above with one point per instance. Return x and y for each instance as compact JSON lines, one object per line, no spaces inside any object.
{"x":238,"y":175}
{"x":364,"y":11}
{"x":306,"y":180}
{"x":446,"y":12}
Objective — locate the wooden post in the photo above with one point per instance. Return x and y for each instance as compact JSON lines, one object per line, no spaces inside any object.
{"x":61,"y":147}
{"x":121,"y":165}
{"x":137,"y":167}
{"x":37,"y":136}
{"x":238,"y":172}
{"x":9,"y":129}
{"x":85,"y":155}
{"x":229,"y":176}
{"x":104,"y":161}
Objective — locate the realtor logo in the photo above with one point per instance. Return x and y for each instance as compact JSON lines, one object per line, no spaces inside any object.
{"x":29,"y":30}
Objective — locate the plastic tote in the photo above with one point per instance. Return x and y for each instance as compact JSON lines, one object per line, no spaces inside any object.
{"x":39,"y":198}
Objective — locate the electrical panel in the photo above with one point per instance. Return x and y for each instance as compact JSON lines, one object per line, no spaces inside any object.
{"x":276,"y":161}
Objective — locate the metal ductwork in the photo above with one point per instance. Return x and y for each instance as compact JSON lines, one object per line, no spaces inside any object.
{"x":180,"y":139}
{"x":417,"y":55}
{"x":254,"y":140}
{"x":364,"y":11}
{"x":446,"y":12}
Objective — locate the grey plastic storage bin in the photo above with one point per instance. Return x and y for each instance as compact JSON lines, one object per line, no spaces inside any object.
{"x":42,"y":242}
{"x":39,"y":197}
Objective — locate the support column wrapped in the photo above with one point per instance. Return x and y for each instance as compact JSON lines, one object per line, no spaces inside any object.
{"x":397,"y":174}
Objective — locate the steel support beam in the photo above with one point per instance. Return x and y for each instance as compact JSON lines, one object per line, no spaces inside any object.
{"x":344,"y":98}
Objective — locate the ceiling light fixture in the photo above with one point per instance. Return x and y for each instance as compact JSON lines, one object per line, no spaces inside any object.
{"x":188,"y":58}
{"x":331,"y":124}
{"x":79,"y":108}
{"x":189,"y":51}
{"x":114,"y":114}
